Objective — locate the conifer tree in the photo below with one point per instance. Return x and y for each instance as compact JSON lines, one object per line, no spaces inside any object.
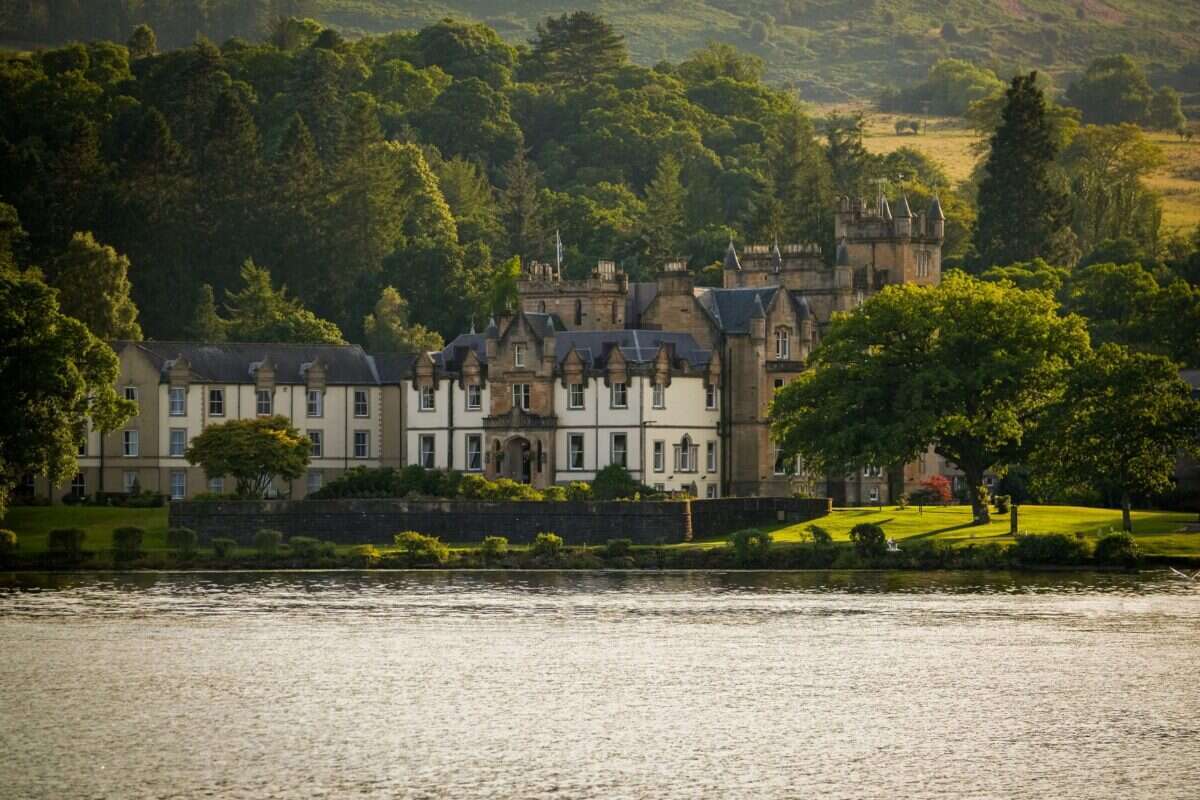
{"x":142,"y":42}
{"x":232,"y":184}
{"x":93,"y":287}
{"x":663,"y":228}
{"x":298,"y":208}
{"x":1024,"y":213}
{"x":578,"y":47}
{"x":207,"y":325}
{"x":258,"y":312}
{"x":521,"y":209}
{"x":389,"y":329}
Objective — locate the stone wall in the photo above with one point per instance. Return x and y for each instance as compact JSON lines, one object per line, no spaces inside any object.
{"x":375,"y":521}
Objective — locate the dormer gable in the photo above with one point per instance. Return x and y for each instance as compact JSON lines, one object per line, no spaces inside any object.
{"x":179,"y":371}
{"x":663,"y":360}
{"x":315,"y":374}
{"x":472,"y":372}
{"x":574,"y":368}
{"x":263,"y":373}
{"x":424,"y":371}
{"x":615,"y":368}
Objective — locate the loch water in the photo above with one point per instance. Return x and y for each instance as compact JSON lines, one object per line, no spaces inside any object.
{"x":599,"y":685}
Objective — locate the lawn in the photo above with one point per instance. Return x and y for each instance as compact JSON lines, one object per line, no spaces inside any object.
{"x":1157,"y":532}
{"x":33,"y":524}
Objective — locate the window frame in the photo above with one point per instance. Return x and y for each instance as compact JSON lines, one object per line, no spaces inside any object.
{"x":783,"y":344}
{"x":779,"y":467}
{"x":182,"y":476}
{"x":180,"y":393}
{"x":431,"y":462}
{"x":518,"y":355}
{"x":316,"y":446}
{"x":710,"y":397}
{"x":365,"y":405}
{"x":365,"y":437}
{"x":612,"y":395}
{"x":308,"y":481}
{"x":571,"y":405}
{"x":216,"y":485}
{"x":475,"y":439}
{"x":612,"y":448}
{"x":129,"y":484}
{"x":259,"y":396}
{"x":131,"y":393}
{"x":427,"y":393}
{"x":171,"y":433}
{"x":526,"y":396}
{"x":477,"y":390}
{"x":314,"y":403}
{"x":711,"y":493}
{"x":130,"y":436}
{"x":79,"y":485}
{"x":659,"y":449}
{"x":572,"y":452}
{"x":710,"y":456}
{"x":216,"y":399}
{"x":658,"y":395}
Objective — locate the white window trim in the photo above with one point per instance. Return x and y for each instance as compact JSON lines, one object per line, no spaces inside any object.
{"x":478,"y":439}
{"x":421,"y":440}
{"x":171,"y":392}
{"x":525,"y":391}
{"x":659,"y":450}
{"x":658,"y":395}
{"x":258,"y":402}
{"x":710,"y":456}
{"x":571,"y":439}
{"x":221,"y":394}
{"x":309,"y":481}
{"x":710,"y":398}
{"x":783,"y":344}
{"x":612,"y":448}
{"x":424,"y":392}
{"x":612,"y":395}
{"x":127,"y":439}
{"x":571,"y":405}
{"x":366,"y":404}
{"x":314,"y":401}
{"x":518,"y":355}
{"x":317,"y":446}
{"x":182,"y":476}
{"x":366,"y":440}
{"x":171,"y":443}
{"x":478,"y":390}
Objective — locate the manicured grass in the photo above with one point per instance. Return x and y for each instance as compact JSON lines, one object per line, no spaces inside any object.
{"x":33,"y":525}
{"x":1157,"y":532}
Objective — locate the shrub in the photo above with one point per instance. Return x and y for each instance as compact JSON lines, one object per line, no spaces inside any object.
{"x":422,"y":549}
{"x":224,"y":548}
{"x":67,"y":542}
{"x":475,"y":487}
{"x":304,"y":546}
{"x":365,"y":555}
{"x":508,"y":489}
{"x":1116,"y":549}
{"x":934,"y":491}
{"x":210,"y":497}
{"x":8,"y":542}
{"x":869,"y":540}
{"x":554,"y":494}
{"x":819,"y":535}
{"x":1050,"y":548}
{"x":750,"y":546}
{"x":579,"y":492}
{"x":493,"y":547}
{"x":614,"y":483}
{"x":127,"y":543}
{"x":1001,"y":502}
{"x":618,"y":548}
{"x":146,"y":500}
{"x":267,"y":542}
{"x":546,"y":544}
{"x":182,"y":541}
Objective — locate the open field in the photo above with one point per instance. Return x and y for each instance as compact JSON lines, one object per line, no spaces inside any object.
{"x":1157,"y":532}
{"x":949,"y":142}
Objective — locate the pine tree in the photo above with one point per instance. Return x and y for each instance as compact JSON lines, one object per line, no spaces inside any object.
{"x":298,"y":209}
{"x":231,"y":188}
{"x":521,"y":209}
{"x":1024,"y":213}
{"x":663,"y":228}
{"x":93,"y":287}
{"x":259,"y":312}
{"x":207,"y":325}
{"x":577,"y":48}
{"x":389,"y":329}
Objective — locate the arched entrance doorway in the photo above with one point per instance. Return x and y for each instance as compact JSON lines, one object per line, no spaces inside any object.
{"x":518,"y":460}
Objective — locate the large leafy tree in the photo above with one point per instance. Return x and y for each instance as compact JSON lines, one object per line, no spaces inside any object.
{"x":93,"y":287}
{"x":576,"y":48}
{"x":1113,"y":89}
{"x":1024,"y":211}
{"x":967,"y":367}
{"x":252,"y":452}
{"x":1122,"y":423}
{"x":56,"y":377}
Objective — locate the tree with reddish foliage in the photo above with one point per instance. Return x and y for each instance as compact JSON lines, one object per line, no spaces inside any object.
{"x":934,"y":491}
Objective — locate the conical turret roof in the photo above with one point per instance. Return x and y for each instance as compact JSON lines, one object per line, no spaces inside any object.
{"x":843,"y":254}
{"x":935,"y":209}
{"x":731,"y":257}
{"x":904,"y":211}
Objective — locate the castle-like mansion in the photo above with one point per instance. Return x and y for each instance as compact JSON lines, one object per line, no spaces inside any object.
{"x":671,"y":380}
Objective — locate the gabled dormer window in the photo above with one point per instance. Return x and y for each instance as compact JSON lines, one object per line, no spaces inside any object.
{"x":427,"y":398}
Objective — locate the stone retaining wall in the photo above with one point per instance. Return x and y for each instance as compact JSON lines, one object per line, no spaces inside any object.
{"x":375,"y":521}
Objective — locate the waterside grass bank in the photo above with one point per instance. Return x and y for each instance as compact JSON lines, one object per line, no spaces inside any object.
{"x":929,"y":538}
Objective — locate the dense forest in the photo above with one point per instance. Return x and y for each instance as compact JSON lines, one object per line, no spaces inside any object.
{"x":386,"y":189}
{"x":831,"y":50}
{"x":420,"y":161}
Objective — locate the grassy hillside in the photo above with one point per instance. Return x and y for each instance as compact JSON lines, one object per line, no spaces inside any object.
{"x":834,"y":50}
{"x":949,"y":141}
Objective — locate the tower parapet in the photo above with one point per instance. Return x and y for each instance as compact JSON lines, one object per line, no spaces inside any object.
{"x":596,"y":302}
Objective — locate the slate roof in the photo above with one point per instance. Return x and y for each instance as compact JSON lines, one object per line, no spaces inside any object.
{"x":231,"y":362}
{"x":393,"y":367}
{"x":637,"y":346}
{"x":544,"y":324}
{"x":641,"y":295}
{"x":935,"y":209}
{"x":732,"y":309}
{"x":456,"y":352}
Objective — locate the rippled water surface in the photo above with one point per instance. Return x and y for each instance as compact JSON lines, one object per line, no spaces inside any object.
{"x":546,"y":685}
